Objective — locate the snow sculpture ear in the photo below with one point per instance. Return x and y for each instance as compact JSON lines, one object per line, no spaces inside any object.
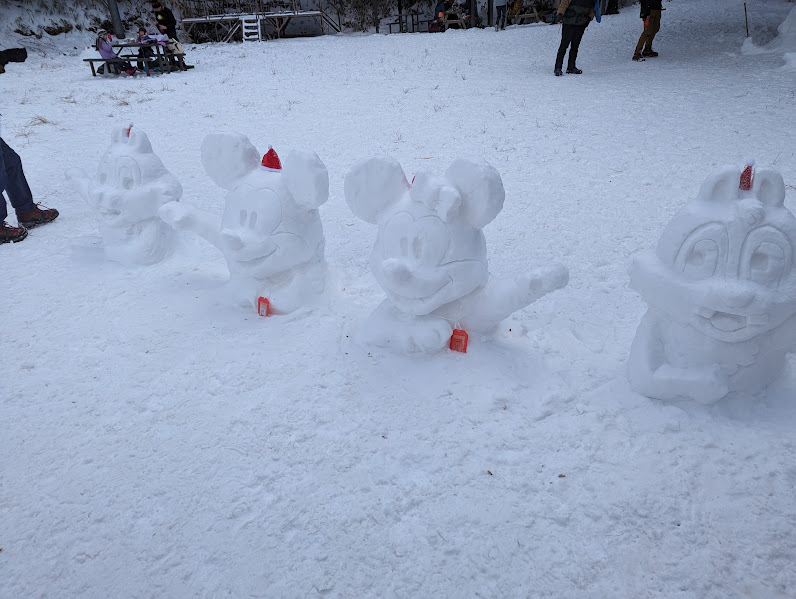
{"x":373,"y":184}
{"x":481,"y":189}
{"x":118,"y":134}
{"x":721,"y":185}
{"x":769,"y":187}
{"x":228,"y":157}
{"x":138,"y":141}
{"x":306,"y":178}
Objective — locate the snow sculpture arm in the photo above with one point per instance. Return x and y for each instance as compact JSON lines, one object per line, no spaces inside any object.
{"x":81,"y":183}
{"x":187,"y":218}
{"x":501,"y":297}
{"x":650,"y":374}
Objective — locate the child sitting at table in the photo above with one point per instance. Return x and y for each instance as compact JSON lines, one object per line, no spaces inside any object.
{"x":145,"y":54}
{"x":105,"y":48}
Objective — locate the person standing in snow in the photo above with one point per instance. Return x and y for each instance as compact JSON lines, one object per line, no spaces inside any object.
{"x":651,"y":15}
{"x":500,"y":21}
{"x":575,"y":16}
{"x":13,"y":182}
{"x":164,"y":19}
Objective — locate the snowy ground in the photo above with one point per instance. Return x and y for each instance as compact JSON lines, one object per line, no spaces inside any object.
{"x":157,"y":443}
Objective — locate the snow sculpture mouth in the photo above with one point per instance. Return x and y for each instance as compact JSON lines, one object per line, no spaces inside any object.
{"x":728,"y":322}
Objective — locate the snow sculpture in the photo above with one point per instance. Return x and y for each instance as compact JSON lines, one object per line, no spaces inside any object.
{"x":270,"y":233}
{"x":721,"y":291}
{"x":131,"y":185}
{"x":430,"y":253}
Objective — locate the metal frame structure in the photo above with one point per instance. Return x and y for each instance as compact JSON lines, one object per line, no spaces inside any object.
{"x":223,"y":20}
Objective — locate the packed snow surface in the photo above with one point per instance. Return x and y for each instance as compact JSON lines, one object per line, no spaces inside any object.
{"x":157,"y":441}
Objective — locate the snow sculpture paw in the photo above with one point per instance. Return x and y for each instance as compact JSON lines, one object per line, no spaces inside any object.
{"x":430,"y":252}
{"x":130,"y":186}
{"x":270,"y":233}
{"x":721,"y":290}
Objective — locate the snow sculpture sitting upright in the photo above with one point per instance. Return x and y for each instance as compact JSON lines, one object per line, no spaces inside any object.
{"x":132,"y":184}
{"x":430,"y":253}
{"x":721,"y":290}
{"x":270,"y":233}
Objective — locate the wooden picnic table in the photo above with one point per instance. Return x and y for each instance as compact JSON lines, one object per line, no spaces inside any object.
{"x":128,"y":52}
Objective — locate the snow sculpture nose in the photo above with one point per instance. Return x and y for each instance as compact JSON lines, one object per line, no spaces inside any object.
{"x":732,"y":294}
{"x":396,"y":271}
{"x":231,"y":239}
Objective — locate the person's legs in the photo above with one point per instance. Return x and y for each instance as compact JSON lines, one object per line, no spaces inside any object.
{"x":644,"y":35}
{"x":14,"y":182}
{"x":654,"y":27}
{"x":577,"y":35}
{"x":566,"y":38}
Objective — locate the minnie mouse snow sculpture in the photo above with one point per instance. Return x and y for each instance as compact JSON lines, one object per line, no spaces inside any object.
{"x":132,"y":184}
{"x":270,"y":234}
{"x":721,"y":290}
{"x":430,"y":253}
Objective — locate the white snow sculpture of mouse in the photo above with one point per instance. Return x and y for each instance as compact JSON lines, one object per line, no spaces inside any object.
{"x":270,"y":233}
{"x":131,"y":185}
{"x":430,"y":253}
{"x":721,"y":290}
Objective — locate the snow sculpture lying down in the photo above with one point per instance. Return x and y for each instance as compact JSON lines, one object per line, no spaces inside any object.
{"x":430,"y":253}
{"x":270,"y":233}
{"x":721,"y":291}
{"x":131,"y":185}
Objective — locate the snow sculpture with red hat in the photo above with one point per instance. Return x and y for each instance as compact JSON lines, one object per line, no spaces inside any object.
{"x":130,"y":187}
{"x":430,"y":254}
{"x":270,"y":233}
{"x":721,"y":290}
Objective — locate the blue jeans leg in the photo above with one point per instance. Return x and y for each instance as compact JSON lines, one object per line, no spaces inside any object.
{"x":13,"y":182}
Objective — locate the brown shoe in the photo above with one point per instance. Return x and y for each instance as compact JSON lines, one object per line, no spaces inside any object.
{"x":9,"y":233}
{"x":37,"y":216}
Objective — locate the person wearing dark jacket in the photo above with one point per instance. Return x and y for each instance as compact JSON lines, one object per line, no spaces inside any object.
{"x":164,"y":19}
{"x":575,"y":16}
{"x":651,"y":15}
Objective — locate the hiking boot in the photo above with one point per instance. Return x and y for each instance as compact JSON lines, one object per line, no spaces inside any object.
{"x":37,"y":216}
{"x":637,"y":56}
{"x":574,"y":71}
{"x":9,"y":233}
{"x":558,"y":72}
{"x":649,"y":53}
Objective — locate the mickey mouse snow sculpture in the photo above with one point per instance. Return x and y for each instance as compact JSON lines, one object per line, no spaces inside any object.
{"x":721,"y":290}
{"x":132,"y":184}
{"x":430,"y":253}
{"x":270,"y":233}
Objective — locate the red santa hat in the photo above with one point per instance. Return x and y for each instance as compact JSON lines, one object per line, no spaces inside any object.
{"x":271,"y":161}
{"x":746,"y":176}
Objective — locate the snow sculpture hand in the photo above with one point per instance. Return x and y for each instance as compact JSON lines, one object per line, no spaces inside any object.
{"x":131,"y":185}
{"x":430,"y":253}
{"x":270,"y":233}
{"x":721,"y":291}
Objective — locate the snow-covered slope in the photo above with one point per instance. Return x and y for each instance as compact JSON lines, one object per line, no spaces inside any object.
{"x":156,"y":442}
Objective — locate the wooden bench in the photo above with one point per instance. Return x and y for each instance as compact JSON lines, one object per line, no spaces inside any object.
{"x":106,"y":61}
{"x":453,"y":17}
{"x":533,"y":13}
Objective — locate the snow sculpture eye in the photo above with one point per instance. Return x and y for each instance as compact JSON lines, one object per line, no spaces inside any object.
{"x":257,"y":209}
{"x":704,"y":252}
{"x":126,"y":179}
{"x":423,"y":241}
{"x":102,"y":176}
{"x":702,"y":260}
{"x":128,"y":175}
{"x":766,"y":257}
